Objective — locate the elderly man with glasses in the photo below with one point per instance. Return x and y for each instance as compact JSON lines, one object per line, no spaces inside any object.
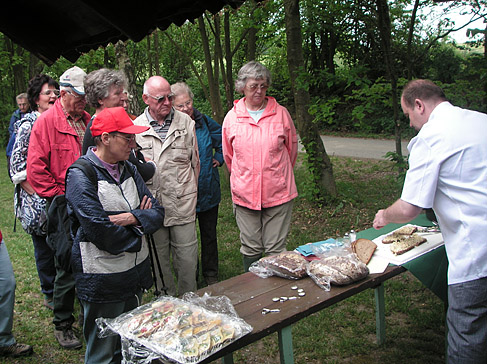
{"x":171,"y":143}
{"x":55,"y":143}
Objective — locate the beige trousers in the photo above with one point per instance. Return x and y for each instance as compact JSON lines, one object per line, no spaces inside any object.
{"x":264,"y":231}
{"x":181,"y":243}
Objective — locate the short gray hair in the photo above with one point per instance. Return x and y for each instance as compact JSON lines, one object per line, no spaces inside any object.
{"x":180,"y":88}
{"x":254,"y":70}
{"x":98,"y":83}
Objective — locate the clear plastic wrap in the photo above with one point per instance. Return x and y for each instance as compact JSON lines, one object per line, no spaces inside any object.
{"x":338,"y":266}
{"x":174,"y":330}
{"x":288,"y":264}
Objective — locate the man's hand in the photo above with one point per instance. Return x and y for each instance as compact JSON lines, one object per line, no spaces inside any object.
{"x":399,"y":212}
{"x":379,"y":220}
{"x":27,"y":187}
{"x":215,"y":163}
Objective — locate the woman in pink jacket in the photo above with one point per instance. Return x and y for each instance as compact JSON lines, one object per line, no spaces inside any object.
{"x":260,"y":149}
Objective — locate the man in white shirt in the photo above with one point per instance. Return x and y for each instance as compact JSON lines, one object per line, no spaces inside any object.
{"x":448,"y":172}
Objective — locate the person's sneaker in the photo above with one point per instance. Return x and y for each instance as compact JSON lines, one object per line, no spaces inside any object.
{"x":49,"y":302}
{"x":66,"y":337}
{"x":16,"y":350}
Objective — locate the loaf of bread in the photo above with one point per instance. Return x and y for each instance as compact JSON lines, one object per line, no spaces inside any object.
{"x":288,"y":264}
{"x":338,"y":270}
{"x":406,"y":244}
{"x":364,"y":248}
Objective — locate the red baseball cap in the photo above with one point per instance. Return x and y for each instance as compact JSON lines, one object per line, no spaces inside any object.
{"x":113,"y":119}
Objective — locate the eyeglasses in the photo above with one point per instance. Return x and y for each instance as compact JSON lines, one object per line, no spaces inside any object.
{"x":50,"y":91}
{"x":130,"y":139}
{"x":75,"y":95}
{"x":161,"y":99}
{"x":254,"y":87}
{"x":186,"y":104}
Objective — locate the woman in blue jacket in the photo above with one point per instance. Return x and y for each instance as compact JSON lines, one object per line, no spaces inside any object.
{"x":110,"y":254}
{"x":209,"y":137}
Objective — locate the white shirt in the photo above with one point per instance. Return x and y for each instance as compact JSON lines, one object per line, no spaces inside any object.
{"x":448,"y":171}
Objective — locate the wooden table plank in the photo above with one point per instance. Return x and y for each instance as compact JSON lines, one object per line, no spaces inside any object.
{"x":250,"y":294}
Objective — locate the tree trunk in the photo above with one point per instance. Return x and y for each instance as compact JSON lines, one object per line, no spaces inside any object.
{"x":156,"y":52}
{"x":319,"y":163}
{"x":215,"y":98}
{"x":17,"y":68}
{"x":35,"y":66}
{"x":410,"y":40}
{"x":149,"y":55}
{"x":227,"y":75}
{"x":385,"y":33}
{"x":125,"y":66}
{"x":188,"y":59}
{"x":251,"y":44}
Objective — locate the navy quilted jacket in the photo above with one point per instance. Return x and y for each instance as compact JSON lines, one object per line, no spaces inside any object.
{"x":111,"y":263}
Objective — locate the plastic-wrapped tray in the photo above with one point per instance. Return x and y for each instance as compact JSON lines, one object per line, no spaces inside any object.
{"x":176,"y":330}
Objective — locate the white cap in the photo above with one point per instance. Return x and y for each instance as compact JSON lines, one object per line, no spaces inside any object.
{"x":74,"y":78}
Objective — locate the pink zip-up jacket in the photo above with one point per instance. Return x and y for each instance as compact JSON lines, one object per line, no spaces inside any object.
{"x":260,"y":156}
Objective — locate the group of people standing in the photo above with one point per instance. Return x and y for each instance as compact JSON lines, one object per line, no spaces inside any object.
{"x":144,"y":178}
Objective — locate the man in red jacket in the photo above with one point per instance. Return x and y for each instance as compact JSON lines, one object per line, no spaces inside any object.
{"x":55,"y":143}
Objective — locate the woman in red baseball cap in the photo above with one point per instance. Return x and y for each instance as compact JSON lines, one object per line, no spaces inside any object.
{"x":110,"y":254}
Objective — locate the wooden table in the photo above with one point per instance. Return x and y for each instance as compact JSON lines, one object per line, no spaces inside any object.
{"x":250,"y":294}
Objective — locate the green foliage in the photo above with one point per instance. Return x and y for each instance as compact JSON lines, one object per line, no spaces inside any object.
{"x":444,"y":63}
{"x":343,"y":67}
{"x":402,"y":165}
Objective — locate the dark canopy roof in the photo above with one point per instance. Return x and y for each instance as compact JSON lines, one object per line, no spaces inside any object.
{"x":50,"y":29}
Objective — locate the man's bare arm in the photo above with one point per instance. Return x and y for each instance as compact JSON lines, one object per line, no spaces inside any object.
{"x":399,"y":212}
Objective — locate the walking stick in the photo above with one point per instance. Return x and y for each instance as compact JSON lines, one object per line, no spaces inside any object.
{"x":153,"y":253}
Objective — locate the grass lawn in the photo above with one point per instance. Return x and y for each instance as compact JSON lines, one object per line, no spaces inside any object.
{"x":343,"y":333}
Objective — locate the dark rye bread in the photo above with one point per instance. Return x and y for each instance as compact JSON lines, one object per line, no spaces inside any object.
{"x":288,"y":264}
{"x":364,"y":248}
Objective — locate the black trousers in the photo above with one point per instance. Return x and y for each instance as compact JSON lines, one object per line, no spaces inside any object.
{"x":207,"y":221}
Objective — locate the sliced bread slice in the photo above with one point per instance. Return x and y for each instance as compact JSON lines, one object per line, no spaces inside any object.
{"x":364,"y":248}
{"x":407,"y":230}
{"x":404,"y":245}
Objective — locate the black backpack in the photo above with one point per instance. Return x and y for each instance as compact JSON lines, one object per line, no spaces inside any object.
{"x":60,"y":226}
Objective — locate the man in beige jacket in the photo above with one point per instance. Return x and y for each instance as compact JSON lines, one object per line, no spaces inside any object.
{"x":171,"y":144}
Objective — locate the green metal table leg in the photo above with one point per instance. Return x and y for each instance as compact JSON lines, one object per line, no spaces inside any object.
{"x":286,"y":345}
{"x":380,"y":320}
{"x":228,"y":359}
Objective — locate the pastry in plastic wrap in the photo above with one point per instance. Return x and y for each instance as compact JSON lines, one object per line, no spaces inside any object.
{"x":338,"y":270}
{"x":179,"y":331}
{"x":288,"y":264}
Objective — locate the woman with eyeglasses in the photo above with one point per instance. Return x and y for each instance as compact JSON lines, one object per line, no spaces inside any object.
{"x":30,"y":208}
{"x":260,"y":149}
{"x":114,"y":211}
{"x":106,"y":88}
